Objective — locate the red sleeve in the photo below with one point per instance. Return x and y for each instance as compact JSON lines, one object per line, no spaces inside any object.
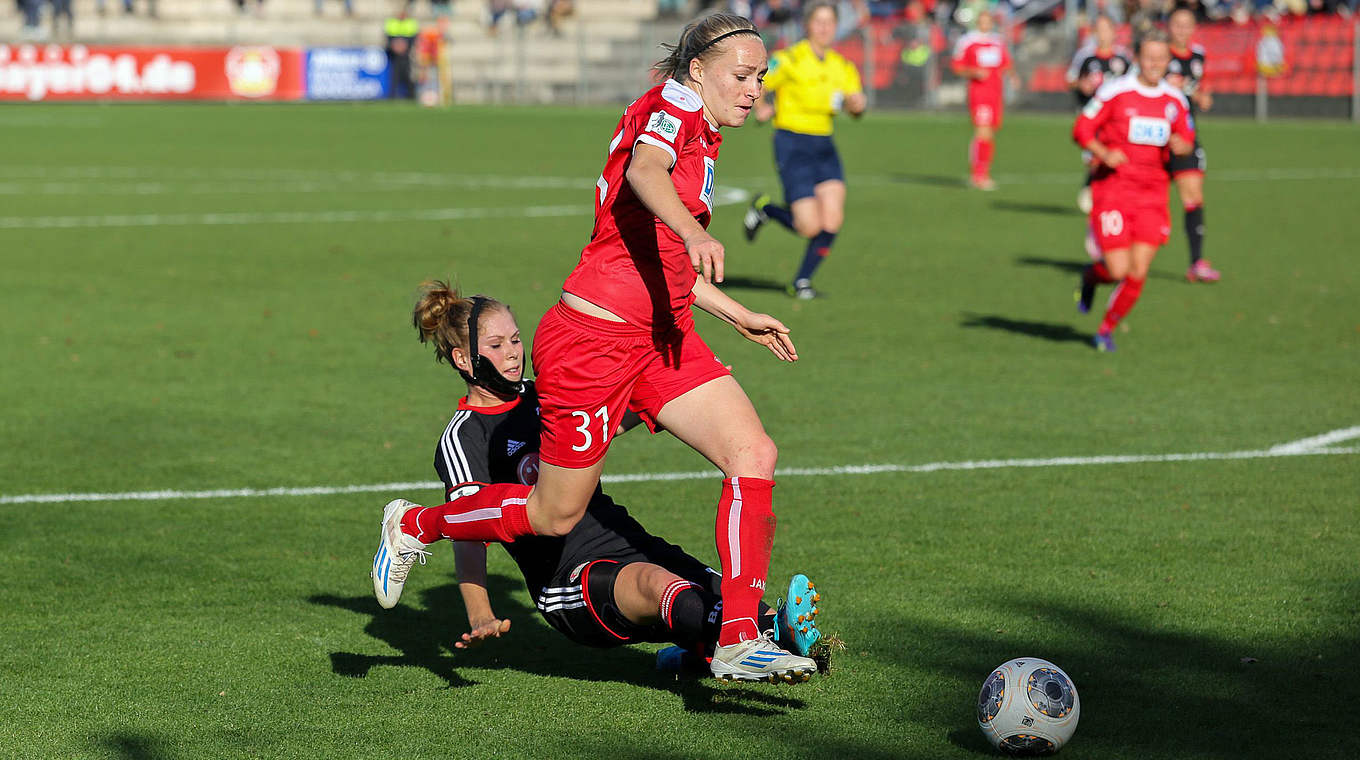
{"x":1090,"y":120}
{"x":962,"y":56}
{"x":667,"y":127}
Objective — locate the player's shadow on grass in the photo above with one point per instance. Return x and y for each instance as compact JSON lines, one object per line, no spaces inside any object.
{"x":1074,"y":267}
{"x":127,"y":746}
{"x":1050,"y":209}
{"x":737,"y":282}
{"x":424,"y":636}
{"x":1058,"y":333}
{"x":935,"y":180}
{"x":1148,"y":689}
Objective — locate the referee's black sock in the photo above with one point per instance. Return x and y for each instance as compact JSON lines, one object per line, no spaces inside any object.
{"x":1194,"y":232}
{"x":817,"y":249}
{"x":780,"y":214}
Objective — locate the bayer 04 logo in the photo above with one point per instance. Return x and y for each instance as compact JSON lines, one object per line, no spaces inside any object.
{"x":1028,"y":706}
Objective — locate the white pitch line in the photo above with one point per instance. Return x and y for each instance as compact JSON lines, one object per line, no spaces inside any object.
{"x":651,"y":477}
{"x":1318,"y":441}
{"x":284,"y":217}
{"x":722,"y":196}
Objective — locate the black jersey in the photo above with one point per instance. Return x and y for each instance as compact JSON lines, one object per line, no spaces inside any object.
{"x":1186,"y":71}
{"x":1089,"y":60}
{"x":499,"y":444}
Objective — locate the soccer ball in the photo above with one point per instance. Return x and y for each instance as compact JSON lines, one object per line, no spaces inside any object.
{"x":1028,"y":706}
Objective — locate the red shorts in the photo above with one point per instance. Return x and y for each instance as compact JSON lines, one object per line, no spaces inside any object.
{"x":1118,"y":226}
{"x":589,"y":371}
{"x":986,"y":112}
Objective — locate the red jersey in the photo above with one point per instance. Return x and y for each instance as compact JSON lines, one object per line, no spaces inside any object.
{"x":986,"y":52}
{"x":1138,"y":120}
{"x":635,"y":266}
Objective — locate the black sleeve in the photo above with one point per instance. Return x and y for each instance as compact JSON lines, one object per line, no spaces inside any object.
{"x":462,"y":453}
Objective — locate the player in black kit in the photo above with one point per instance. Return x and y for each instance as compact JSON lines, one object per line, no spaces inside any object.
{"x":1186,"y":71}
{"x":1095,"y":62}
{"x":606,"y":583}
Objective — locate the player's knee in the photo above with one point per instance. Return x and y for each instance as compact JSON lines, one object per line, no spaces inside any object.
{"x":756,"y":459}
{"x":556,"y":524}
{"x":808,"y":226}
{"x":1118,"y":269}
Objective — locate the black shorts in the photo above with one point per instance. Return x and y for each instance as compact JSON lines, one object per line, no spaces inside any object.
{"x":1193,"y":162}
{"x":580,"y":603}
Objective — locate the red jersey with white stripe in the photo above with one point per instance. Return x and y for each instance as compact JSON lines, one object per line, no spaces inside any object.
{"x":635,"y":266}
{"x":1138,"y":120}
{"x":987,"y":52}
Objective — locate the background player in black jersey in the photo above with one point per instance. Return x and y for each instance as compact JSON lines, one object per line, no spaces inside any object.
{"x":1096,"y":61}
{"x":606,"y":583}
{"x":1186,"y":71}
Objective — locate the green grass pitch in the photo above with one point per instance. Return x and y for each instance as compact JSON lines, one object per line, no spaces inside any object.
{"x":212,"y":297}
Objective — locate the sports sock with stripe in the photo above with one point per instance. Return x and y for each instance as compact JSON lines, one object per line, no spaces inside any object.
{"x":496,"y":512}
{"x":1121,"y":302}
{"x":745,"y":537}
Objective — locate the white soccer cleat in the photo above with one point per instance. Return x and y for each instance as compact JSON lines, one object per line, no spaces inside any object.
{"x":1085,"y":201}
{"x":760,"y":659}
{"x":397,"y":552}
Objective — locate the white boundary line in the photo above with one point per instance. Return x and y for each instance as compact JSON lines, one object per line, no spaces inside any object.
{"x":722,"y":196}
{"x":1316,"y":445}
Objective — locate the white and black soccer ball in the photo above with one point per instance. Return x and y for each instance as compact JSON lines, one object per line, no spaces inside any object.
{"x":1028,"y":706}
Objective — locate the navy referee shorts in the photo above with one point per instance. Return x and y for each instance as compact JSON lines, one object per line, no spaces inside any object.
{"x":804,"y":161}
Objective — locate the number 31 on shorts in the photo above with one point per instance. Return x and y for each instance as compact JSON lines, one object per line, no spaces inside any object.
{"x":585,"y":428}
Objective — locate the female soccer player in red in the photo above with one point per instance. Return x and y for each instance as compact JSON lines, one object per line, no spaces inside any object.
{"x":606,"y":583}
{"x":1131,"y":126}
{"x":981,"y":56}
{"x":623,"y":338}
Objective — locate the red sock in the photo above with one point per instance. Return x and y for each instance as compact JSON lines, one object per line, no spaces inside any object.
{"x":1101,"y":272}
{"x":981,"y":153}
{"x":495,"y":513}
{"x":745,"y":535}
{"x":1121,"y":301}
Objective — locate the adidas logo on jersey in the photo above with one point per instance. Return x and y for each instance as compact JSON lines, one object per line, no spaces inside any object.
{"x":513,"y":447}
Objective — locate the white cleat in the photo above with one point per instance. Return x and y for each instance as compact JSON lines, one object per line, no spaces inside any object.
{"x":397,"y":552}
{"x":1084,"y":200}
{"x":760,"y":660}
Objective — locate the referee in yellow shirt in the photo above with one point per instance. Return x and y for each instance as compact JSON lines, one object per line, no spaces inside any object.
{"x":810,"y":83}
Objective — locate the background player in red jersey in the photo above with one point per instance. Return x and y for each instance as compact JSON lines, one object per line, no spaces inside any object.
{"x":981,"y":56}
{"x":1130,"y":127}
{"x":623,"y":338}
{"x":606,"y":583}
{"x":1186,"y":73}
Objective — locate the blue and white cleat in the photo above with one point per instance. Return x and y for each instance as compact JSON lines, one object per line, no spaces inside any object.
{"x":1103,"y":342}
{"x":397,"y":553}
{"x":760,"y":659}
{"x":795,"y":616}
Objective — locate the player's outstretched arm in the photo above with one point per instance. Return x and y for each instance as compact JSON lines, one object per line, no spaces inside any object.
{"x":470,"y":561}
{"x":754,"y":326}
{"x":649,"y":176}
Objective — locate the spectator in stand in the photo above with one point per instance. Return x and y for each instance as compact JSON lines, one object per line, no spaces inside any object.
{"x":243,"y":6}
{"x":62,"y":8}
{"x":401,"y":31}
{"x":349,"y":7}
{"x":557,"y":11}
{"x":525,"y":11}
